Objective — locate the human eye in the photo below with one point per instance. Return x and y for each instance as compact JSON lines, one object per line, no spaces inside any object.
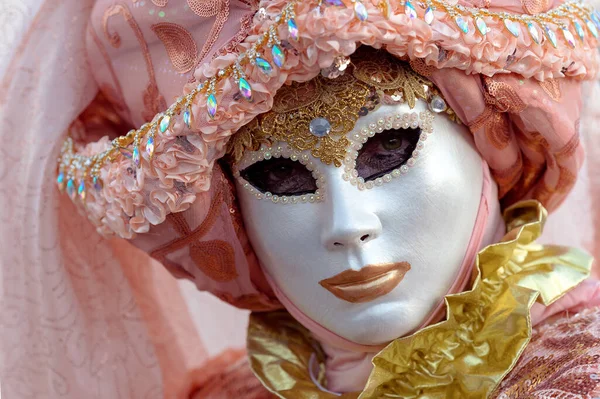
{"x":280,"y":176}
{"x":385,"y":152}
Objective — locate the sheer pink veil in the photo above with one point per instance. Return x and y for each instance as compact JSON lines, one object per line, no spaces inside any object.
{"x":83,"y":316}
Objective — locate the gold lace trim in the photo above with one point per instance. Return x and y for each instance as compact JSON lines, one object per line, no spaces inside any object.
{"x":465,"y":356}
{"x":372,"y":78}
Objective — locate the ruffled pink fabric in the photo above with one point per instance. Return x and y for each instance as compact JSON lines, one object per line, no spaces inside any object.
{"x":323,"y":36}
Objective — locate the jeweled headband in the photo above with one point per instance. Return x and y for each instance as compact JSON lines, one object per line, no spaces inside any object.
{"x":121,"y":183}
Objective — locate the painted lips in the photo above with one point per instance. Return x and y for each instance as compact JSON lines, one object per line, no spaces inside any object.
{"x":366,"y":284}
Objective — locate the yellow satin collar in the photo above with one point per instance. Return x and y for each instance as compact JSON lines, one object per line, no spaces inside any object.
{"x":485,"y":331}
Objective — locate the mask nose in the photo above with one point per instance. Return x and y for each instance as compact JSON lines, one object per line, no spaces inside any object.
{"x":348,"y":223}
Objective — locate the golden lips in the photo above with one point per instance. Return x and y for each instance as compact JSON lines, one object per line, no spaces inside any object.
{"x":366,"y":284}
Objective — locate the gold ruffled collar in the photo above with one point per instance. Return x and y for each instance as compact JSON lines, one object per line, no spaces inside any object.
{"x":468,"y":354}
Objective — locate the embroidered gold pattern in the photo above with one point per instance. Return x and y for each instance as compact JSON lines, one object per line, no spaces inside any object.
{"x":180,"y":45}
{"x":371,"y":77}
{"x":154,"y":102}
{"x":552,"y":88}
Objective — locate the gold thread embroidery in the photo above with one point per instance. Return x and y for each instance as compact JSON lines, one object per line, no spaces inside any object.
{"x":211,"y":8}
{"x":215,"y":258}
{"x":154,"y":102}
{"x":552,"y":88}
{"x":371,"y":78}
{"x":180,"y":45}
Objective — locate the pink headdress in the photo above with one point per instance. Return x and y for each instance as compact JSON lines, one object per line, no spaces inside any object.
{"x":512,"y":73}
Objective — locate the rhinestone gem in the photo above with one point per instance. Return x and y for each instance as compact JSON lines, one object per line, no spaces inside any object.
{"x":292,"y":28}
{"x":60,"y":180}
{"x":481,"y":26}
{"x":245,"y":89}
{"x":568,"y":36}
{"x":410,"y":10}
{"x":550,"y":35}
{"x":164,"y":123}
{"x":187,"y":117}
{"x":462,"y":24}
{"x":361,"y":11}
{"x":595,"y":18}
{"x":590,"y":25}
{"x":334,"y":2}
{"x":211,"y":106}
{"x":533,"y":32}
{"x":71,"y":192}
{"x":97,"y":183}
{"x":135,"y":156}
{"x":278,"y":55}
{"x":263,"y":65}
{"x":81,"y":190}
{"x":512,"y":27}
{"x":150,"y":146}
{"x":125,"y":152}
{"x":429,"y":16}
{"x":437,"y":104}
{"x":579,"y":30}
{"x":320,"y":127}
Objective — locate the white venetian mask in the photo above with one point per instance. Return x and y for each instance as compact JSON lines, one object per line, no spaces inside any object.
{"x":362,"y":224}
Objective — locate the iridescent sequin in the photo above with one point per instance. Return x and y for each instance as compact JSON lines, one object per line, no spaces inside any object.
{"x":278,"y":55}
{"x":512,"y":27}
{"x":245,"y":89}
{"x":211,"y":105}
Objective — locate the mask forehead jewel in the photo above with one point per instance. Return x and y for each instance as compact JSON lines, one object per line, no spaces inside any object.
{"x":316,"y":116}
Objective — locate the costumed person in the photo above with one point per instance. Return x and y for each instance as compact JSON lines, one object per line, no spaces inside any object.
{"x":369,"y":178}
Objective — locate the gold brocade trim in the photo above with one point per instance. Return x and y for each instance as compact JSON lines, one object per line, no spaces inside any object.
{"x":466,"y":356}
{"x":372,"y":78}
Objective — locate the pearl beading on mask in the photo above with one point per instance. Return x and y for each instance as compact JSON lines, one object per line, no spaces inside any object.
{"x":423,"y":120}
{"x":282,"y":151}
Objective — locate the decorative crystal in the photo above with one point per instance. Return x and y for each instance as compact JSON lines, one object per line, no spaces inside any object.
{"x":512,"y":27}
{"x":245,"y":89}
{"x":187,"y":117}
{"x":568,"y":36}
{"x":263,"y":65}
{"x":592,"y":28}
{"x":278,"y":55}
{"x":533,"y":31}
{"x":97,"y":183}
{"x":361,"y":11}
{"x":337,"y":68}
{"x":437,"y":104}
{"x":550,"y":35}
{"x":462,"y":24}
{"x":150,"y":146}
{"x":334,"y":2}
{"x":60,"y":180}
{"x":579,"y":30}
{"x":292,"y":28}
{"x":410,"y":10}
{"x":320,"y":127}
{"x":595,"y":18}
{"x":481,"y":26}
{"x":211,"y":105}
{"x":135,"y":156}
{"x":164,"y":123}
{"x":429,"y":16}
{"x":71,"y":192}
{"x":125,"y":152}
{"x":81,"y":190}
